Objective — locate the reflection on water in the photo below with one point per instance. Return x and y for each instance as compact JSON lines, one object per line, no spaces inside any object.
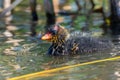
{"x":29,"y":56}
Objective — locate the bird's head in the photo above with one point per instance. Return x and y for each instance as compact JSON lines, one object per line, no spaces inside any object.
{"x":55,"y":34}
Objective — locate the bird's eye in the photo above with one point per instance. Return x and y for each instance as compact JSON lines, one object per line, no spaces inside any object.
{"x":54,"y":32}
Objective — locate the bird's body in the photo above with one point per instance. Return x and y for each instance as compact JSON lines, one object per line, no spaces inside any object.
{"x":65,"y":44}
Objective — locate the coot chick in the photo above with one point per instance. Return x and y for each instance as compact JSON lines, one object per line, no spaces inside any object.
{"x":64,"y":43}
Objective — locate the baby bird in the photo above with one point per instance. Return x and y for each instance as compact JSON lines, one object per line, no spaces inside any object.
{"x":64,"y":43}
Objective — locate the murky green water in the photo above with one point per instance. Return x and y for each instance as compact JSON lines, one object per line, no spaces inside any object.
{"x":32,"y":58}
{"x":29,"y":56}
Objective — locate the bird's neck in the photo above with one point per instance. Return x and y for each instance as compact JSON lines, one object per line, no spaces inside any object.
{"x":56,"y":49}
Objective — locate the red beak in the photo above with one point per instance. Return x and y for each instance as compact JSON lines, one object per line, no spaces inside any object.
{"x":47,"y":36}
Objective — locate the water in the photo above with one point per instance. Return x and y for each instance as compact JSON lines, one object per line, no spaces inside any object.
{"x":31,"y":57}
{"x":28,"y":56}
